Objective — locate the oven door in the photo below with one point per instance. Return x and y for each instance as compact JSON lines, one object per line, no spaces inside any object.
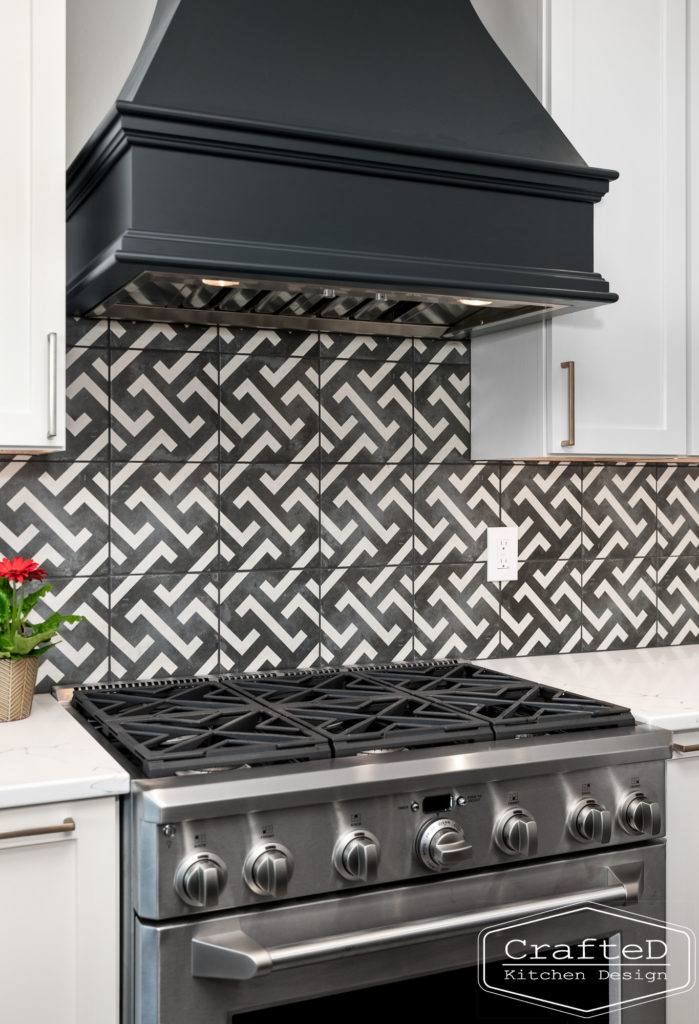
{"x":420,"y":940}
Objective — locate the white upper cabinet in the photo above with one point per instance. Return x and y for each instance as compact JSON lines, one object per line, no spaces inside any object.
{"x":614,"y":78}
{"x":32,"y":214}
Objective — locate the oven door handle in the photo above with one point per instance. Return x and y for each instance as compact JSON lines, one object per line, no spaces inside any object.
{"x":235,"y":956}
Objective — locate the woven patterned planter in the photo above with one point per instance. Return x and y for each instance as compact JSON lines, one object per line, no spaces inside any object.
{"x":17,"y":682}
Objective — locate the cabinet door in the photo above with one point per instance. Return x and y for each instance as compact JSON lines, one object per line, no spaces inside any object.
{"x":32,"y":214}
{"x":58,"y":914}
{"x":617,"y":89}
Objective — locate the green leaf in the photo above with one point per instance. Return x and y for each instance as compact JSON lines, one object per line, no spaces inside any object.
{"x":24,"y":645}
{"x":5,"y":587}
{"x":54,"y":621}
{"x":31,"y":599}
{"x":4,"y":607}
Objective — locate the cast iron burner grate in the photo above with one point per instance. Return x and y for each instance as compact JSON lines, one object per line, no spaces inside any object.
{"x":179,"y":725}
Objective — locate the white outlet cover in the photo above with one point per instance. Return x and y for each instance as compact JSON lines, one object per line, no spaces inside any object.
{"x":502,"y":553}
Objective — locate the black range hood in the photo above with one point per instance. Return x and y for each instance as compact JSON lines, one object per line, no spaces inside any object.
{"x":370,"y":167}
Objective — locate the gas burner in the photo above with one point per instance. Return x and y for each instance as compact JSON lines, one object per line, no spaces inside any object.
{"x":194,"y":725}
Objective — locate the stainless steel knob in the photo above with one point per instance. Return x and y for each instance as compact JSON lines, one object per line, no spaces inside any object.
{"x":200,"y":878}
{"x":516,"y":833}
{"x":268,"y":869}
{"x":591,"y":822}
{"x":639,"y":814}
{"x":441,"y":845}
{"x":356,"y":856}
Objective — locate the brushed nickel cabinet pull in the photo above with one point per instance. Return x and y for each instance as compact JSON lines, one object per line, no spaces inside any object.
{"x":53,"y":384}
{"x":45,"y":830}
{"x":570,"y":367}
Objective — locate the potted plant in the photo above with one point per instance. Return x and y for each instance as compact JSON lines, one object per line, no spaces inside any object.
{"x":21,"y":642}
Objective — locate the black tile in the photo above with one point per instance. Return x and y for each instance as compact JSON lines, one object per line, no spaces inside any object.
{"x":82,"y":655}
{"x":269,"y":409}
{"x":366,"y":615}
{"x":164,"y":406}
{"x":87,"y":332}
{"x":433,"y":350}
{"x":367,"y":514}
{"x":454,"y":506}
{"x":442,"y":395}
{"x":131,"y":334}
{"x":678,"y":510}
{"x":269,"y":620}
{"x":678,"y":600}
{"x":366,"y":411}
{"x":335,"y":345}
{"x":456,"y":612}
{"x":164,"y":517}
{"x":619,"y":511}
{"x":269,"y":516}
{"x":545,"y":504}
{"x":619,"y":604}
{"x":540,"y":611}
{"x":278,"y":343}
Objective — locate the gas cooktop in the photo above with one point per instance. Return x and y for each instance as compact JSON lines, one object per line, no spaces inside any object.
{"x":172,"y":726}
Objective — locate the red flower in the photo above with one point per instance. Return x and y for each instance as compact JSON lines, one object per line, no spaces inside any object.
{"x":20,"y":569}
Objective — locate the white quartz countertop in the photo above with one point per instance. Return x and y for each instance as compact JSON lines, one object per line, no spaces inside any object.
{"x":50,"y":757}
{"x":660,"y":685}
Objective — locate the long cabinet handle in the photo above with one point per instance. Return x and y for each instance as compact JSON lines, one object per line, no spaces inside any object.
{"x":44,"y":830}
{"x":570,"y":367}
{"x":53,"y":384}
{"x":236,"y":956}
{"x":685,"y":749}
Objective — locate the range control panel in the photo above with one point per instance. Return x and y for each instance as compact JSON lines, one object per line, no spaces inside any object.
{"x":243,"y":860}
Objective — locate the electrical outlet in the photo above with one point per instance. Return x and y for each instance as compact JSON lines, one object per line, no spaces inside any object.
{"x":502,"y":553}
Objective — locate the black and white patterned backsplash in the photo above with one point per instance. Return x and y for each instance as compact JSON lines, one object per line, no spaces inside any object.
{"x":238,"y":500}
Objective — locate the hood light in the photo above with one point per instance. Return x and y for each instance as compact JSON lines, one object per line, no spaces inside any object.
{"x":219,"y":283}
{"x":476,"y":302}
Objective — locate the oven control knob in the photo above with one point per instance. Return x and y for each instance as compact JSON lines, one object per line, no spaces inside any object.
{"x":268,"y":869}
{"x":591,"y":822}
{"x":639,"y":814}
{"x":441,"y":845}
{"x":200,"y":878}
{"x":356,"y":856}
{"x":516,"y":832}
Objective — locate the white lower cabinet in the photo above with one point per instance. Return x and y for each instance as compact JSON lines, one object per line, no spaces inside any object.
{"x":59,"y":936}
{"x":682,"y":787}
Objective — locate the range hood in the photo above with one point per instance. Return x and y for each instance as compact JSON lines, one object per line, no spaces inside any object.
{"x":378,"y":168}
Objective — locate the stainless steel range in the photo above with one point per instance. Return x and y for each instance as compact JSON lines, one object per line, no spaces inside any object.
{"x":292,"y":837}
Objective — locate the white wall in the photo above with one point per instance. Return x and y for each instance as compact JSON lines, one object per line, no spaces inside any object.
{"x":514,"y":25}
{"x":103,"y":41}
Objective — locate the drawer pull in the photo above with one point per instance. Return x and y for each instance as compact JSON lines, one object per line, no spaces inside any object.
{"x":53,"y":384}
{"x":685,"y":749}
{"x":570,"y":367}
{"x":45,"y":830}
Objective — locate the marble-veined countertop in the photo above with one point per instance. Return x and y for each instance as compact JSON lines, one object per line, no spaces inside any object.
{"x":50,"y":757}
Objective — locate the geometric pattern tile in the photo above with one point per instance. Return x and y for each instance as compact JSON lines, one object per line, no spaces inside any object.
{"x":164,"y":406}
{"x":367,"y":514}
{"x":166,"y":337}
{"x":87,"y":406}
{"x":164,"y":625}
{"x":619,"y":511}
{"x":269,"y":409}
{"x":619,"y":604}
{"x":269,"y":620}
{"x":253,"y":342}
{"x":82,"y":655}
{"x":366,"y":615}
{"x":164,"y":517}
{"x":86,"y":332}
{"x":442,"y":427}
{"x":454,"y":506}
{"x":269,"y":515}
{"x":678,"y":510}
{"x":545,"y":504}
{"x":430,"y":350}
{"x":366,"y":411}
{"x":57,"y":514}
{"x":456,"y":612}
{"x":541,"y":609}
{"x":365,"y":346}
{"x":678,"y":600}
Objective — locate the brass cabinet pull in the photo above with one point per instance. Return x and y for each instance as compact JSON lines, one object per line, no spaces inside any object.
{"x":570,"y":367}
{"x":53,"y":384}
{"x":685,"y":749}
{"x":45,"y":830}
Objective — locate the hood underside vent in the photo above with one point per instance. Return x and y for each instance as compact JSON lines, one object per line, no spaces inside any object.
{"x":188,"y":299}
{"x":373,"y":168}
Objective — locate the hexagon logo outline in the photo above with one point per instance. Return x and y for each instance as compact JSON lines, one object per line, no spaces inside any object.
{"x":609,"y":912}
